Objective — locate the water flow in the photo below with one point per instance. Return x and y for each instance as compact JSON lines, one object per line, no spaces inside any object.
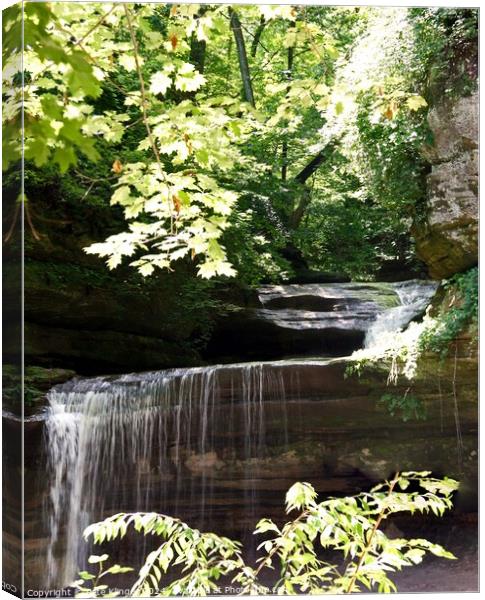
{"x":414,"y":297}
{"x":153,"y":441}
{"x":163,"y":440}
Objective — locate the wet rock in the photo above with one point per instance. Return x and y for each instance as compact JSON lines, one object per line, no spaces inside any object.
{"x":200,"y":463}
{"x":37,"y":381}
{"x":98,"y":351}
{"x":311,"y":319}
{"x":303,"y":276}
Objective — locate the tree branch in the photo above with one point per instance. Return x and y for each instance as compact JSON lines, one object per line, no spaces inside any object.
{"x":316,"y":161}
{"x":303,"y":176}
{"x":144,"y":103}
{"x":382,"y":515}
{"x":257,"y":36}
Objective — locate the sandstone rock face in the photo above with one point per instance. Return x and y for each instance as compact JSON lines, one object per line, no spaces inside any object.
{"x":80,"y":316}
{"x":313,"y":319}
{"x":238,"y":436}
{"x":447,"y":237}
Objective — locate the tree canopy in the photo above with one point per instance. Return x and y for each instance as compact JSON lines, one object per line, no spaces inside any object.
{"x":227,"y":132}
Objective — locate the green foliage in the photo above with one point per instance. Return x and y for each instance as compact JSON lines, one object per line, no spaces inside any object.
{"x":396,"y":171}
{"x":346,"y":230}
{"x":462,"y":312}
{"x":144,"y":102}
{"x":407,"y":406}
{"x":196,"y":561}
{"x":258,"y":233}
{"x":97,"y":588}
{"x":97,"y":78}
{"x":446,"y":49}
{"x":365,"y":197}
{"x":54,"y":69}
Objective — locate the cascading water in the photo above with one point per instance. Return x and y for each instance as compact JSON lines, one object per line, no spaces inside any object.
{"x":128,"y":443}
{"x":414,"y":297}
{"x":159,"y":440}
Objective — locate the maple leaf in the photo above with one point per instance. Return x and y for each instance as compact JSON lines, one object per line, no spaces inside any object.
{"x":117,"y":166}
{"x":416,"y":102}
{"x":159,"y":83}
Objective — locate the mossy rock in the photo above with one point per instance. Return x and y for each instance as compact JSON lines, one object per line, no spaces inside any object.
{"x":37,"y":381}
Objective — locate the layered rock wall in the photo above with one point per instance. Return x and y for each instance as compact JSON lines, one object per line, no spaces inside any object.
{"x":447,"y":234}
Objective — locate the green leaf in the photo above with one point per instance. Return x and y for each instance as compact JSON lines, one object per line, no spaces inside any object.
{"x":128,"y":62}
{"x":122,"y":196}
{"x":37,"y":150}
{"x":146,"y":269}
{"x":93,"y":559}
{"x":265,"y":525}
{"x":80,"y":78}
{"x":115,"y":569}
{"x":299,"y":496}
{"x":160,"y":82}
{"x":65,"y":158}
{"x":416,"y":102}
{"x":415,"y":555}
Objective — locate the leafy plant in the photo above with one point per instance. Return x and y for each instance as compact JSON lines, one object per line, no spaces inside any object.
{"x":350,"y":526}
{"x":446,"y":49}
{"x":462,"y":311}
{"x":407,"y":406}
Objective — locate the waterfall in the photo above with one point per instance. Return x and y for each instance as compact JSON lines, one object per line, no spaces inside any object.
{"x":193,"y":442}
{"x":129,"y":443}
{"x":414,"y":297}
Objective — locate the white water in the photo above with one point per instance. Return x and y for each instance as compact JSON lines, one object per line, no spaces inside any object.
{"x":131,"y":440}
{"x":414,"y":297}
{"x":150,"y":441}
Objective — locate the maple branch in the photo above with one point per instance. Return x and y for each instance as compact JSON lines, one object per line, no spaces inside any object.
{"x":144,"y":102}
{"x":382,"y":515}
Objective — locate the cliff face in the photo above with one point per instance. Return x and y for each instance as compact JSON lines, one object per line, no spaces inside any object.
{"x":447,"y":234}
{"x":80,"y":315}
{"x":228,"y":455}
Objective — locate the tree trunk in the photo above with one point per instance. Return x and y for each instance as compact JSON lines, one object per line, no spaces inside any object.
{"x":242,"y":57}
{"x":316,"y":161}
{"x":197,"y":53}
{"x":297,"y":215}
{"x":284,"y":152}
{"x":198,"y":47}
